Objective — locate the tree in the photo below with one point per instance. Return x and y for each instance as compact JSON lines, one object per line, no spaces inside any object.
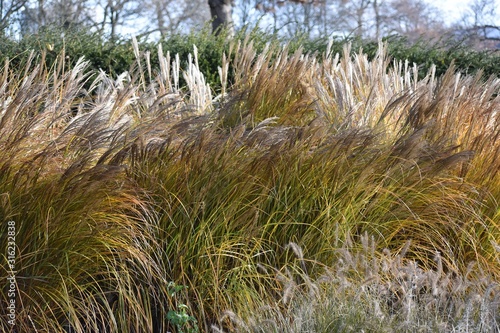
{"x":8,"y":9}
{"x":382,"y":20}
{"x":221,"y":12}
{"x":172,"y":16}
{"x":354,"y":16}
{"x":62,"y":13}
{"x":479,"y":25}
{"x":414,"y":19}
{"x":118,"y":13}
{"x":103,"y":16}
{"x":369,"y":19}
{"x":286,"y":17}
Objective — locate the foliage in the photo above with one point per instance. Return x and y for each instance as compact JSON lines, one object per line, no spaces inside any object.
{"x":116,"y":57}
{"x":84,"y":236}
{"x":444,"y":53}
{"x":120,"y":184}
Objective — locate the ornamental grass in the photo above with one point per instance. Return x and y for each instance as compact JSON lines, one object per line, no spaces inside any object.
{"x":310,"y":193}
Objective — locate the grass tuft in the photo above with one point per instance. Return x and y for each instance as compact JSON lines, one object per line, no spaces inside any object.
{"x":322,"y":192}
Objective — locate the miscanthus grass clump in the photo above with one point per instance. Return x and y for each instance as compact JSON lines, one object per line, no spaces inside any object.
{"x":312,"y":193}
{"x":367,"y":292}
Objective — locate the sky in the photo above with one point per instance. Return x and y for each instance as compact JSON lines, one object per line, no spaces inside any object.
{"x":454,"y":9}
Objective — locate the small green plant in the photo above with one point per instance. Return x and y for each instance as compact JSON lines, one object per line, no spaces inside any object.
{"x":180,"y":317}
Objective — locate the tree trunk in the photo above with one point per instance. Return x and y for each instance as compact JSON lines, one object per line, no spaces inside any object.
{"x":221,"y":11}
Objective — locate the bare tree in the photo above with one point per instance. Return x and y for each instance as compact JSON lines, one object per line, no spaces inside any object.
{"x":415,"y":19}
{"x":286,"y":17}
{"x":112,"y":17}
{"x":221,"y":12}
{"x":118,"y":13}
{"x":479,"y":25}
{"x":316,"y":18}
{"x":62,"y":13}
{"x":113,"y":14}
{"x":354,"y":16}
{"x":313,"y":18}
{"x":171,"y":16}
{"x":245,"y":11}
{"x":9,"y":9}
{"x":69,"y":13}
{"x":381,"y":18}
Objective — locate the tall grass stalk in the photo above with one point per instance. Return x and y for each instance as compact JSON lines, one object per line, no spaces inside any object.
{"x":365,"y":291}
{"x":137,"y":181}
{"x":85,"y":237}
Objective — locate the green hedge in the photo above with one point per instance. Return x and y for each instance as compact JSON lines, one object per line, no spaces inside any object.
{"x":117,"y":56}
